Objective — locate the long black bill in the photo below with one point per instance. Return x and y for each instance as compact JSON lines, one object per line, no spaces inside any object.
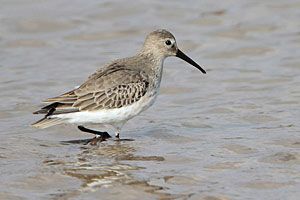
{"x":184,"y":57}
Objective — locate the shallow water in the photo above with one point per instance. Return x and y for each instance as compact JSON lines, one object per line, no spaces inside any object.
{"x":230,"y":134}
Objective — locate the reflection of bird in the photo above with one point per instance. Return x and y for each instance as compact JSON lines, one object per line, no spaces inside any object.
{"x":118,"y":91}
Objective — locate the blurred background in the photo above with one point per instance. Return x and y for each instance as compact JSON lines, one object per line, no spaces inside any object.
{"x":230,"y":134}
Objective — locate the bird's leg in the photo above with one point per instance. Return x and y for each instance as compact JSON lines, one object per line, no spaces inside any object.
{"x":117,"y":135}
{"x":117,"y":129}
{"x":99,"y":134}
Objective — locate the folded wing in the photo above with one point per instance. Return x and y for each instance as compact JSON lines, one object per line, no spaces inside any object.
{"x":114,"y":87}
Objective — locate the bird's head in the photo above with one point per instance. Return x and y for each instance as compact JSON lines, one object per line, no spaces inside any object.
{"x":161,"y":43}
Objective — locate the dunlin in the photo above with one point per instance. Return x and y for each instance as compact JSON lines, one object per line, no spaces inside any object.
{"x":117,"y":92}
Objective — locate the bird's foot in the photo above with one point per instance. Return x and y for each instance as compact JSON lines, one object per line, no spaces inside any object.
{"x":120,"y":140}
{"x":100,"y":136}
{"x":103,"y":135}
{"x":124,"y":140}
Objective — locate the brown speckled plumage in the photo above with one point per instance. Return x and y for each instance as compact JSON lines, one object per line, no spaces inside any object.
{"x":113,"y":87}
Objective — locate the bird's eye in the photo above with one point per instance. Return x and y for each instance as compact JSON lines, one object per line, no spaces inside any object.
{"x":168,"y":42}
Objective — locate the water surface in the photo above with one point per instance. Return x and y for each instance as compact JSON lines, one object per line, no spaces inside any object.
{"x":230,"y":134}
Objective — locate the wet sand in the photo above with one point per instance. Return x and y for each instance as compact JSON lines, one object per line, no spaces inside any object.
{"x":230,"y":134}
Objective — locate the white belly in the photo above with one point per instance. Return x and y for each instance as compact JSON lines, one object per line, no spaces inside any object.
{"x":109,"y":116}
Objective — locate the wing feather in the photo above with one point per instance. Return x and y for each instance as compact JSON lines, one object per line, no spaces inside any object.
{"x":113,"y":87}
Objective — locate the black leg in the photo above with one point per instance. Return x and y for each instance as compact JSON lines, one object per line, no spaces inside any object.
{"x":100,"y":136}
{"x":103,"y":135}
{"x":121,"y":140}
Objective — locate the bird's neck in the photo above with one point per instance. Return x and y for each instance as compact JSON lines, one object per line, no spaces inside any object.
{"x":153,"y":65}
{"x":153,"y":62}
{"x":151,"y":56}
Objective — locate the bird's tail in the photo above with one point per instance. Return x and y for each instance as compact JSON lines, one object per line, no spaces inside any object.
{"x":50,"y":111}
{"x":47,"y":122}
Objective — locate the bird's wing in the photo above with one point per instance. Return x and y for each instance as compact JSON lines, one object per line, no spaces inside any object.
{"x":113,"y":87}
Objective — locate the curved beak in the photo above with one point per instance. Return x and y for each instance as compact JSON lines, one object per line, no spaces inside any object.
{"x":184,"y":57}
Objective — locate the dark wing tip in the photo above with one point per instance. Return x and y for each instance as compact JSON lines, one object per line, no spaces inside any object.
{"x":42,"y":111}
